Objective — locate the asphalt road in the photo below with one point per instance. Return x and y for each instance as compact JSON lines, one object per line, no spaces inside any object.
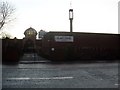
{"x":60,"y":75}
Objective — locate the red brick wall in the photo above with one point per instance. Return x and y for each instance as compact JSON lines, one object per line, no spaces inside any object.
{"x":85,"y":46}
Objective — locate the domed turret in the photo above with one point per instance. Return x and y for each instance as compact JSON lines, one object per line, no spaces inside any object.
{"x":30,"y":32}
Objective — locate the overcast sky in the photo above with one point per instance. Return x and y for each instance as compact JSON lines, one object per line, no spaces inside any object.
{"x":99,"y":16}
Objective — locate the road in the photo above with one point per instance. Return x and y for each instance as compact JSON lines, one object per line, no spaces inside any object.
{"x":60,"y":75}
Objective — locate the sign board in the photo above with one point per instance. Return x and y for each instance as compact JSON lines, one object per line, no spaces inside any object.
{"x":64,"y":38}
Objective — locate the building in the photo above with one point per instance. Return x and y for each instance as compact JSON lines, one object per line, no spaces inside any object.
{"x":61,"y":46}
{"x":29,"y":41}
{"x":81,"y":46}
{"x":41,"y":34}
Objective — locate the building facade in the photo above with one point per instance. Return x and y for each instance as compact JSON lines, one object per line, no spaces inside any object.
{"x":81,"y":46}
{"x":61,"y":46}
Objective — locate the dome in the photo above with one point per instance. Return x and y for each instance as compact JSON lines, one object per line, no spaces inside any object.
{"x":30,"y":32}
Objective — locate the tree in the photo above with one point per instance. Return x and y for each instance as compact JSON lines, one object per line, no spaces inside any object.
{"x":4,"y":35}
{"x":6,"y":11}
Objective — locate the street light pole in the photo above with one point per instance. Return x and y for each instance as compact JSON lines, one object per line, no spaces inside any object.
{"x":71,"y":19}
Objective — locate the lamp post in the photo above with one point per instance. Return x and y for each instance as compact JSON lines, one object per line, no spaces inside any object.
{"x":71,"y":18}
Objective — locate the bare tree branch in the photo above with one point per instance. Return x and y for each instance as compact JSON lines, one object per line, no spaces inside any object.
{"x":6,"y":11}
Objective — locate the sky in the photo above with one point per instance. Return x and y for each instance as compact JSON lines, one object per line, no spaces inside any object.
{"x":98,"y":16}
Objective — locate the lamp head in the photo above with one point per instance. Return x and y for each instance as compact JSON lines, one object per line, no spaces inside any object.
{"x":70,"y":14}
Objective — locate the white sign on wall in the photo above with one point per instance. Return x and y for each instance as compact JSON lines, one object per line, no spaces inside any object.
{"x":64,"y":38}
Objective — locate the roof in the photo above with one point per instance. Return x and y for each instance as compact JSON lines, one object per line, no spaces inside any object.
{"x":30,"y":30}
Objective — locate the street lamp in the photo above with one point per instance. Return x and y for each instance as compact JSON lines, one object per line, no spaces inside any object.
{"x":70,"y":18}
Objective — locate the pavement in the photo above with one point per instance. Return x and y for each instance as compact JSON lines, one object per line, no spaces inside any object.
{"x":28,"y":58}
